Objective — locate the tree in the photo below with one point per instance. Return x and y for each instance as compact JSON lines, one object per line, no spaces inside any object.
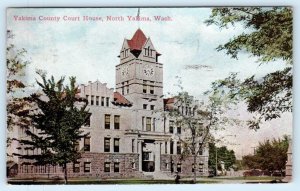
{"x":17,"y":104}
{"x":198,"y":121}
{"x":56,"y":122}
{"x":270,"y":155}
{"x":192,"y":123}
{"x":222,"y":154}
{"x":269,"y":38}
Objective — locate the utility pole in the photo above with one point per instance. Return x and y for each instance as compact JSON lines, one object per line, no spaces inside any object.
{"x":216,"y":161}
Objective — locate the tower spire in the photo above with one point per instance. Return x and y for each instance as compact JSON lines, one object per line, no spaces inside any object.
{"x":138,"y":15}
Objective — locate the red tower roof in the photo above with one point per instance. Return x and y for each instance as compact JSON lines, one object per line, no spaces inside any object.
{"x":137,"y":41}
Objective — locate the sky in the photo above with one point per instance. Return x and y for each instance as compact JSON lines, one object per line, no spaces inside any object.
{"x":89,"y":50}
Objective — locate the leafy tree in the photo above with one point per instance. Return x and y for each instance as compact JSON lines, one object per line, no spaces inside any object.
{"x":222,"y":154}
{"x":270,"y":155}
{"x":198,"y":121}
{"x":269,"y":38}
{"x":17,"y":104}
{"x":56,"y":121}
{"x":192,"y":123}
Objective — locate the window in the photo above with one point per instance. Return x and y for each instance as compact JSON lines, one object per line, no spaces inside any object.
{"x":154,"y":124}
{"x":146,"y":51}
{"x":146,"y":155}
{"x":92,"y":100}
{"x":201,"y":167}
{"x":132,"y":146}
{"x":127,"y":87}
{"x":88,"y":120}
{"x":144,"y":106}
{"x":171,"y":129}
{"x":151,"y":89}
{"x":87,"y":98}
{"x":87,"y":166}
{"x":178,"y":148}
{"x":171,"y":147}
{"x":166,"y":147}
{"x":97,"y":100}
{"x":178,"y":130}
{"x":178,"y":167}
{"x":123,"y":90}
{"x":26,"y":168}
{"x":106,"y":167}
{"x":144,"y":86}
{"x":167,"y":165}
{"x":116,"y":145}
{"x":87,"y":141}
{"x":193,"y":167}
{"x":200,"y":149}
{"x":107,"y":121}
{"x":43,"y":169}
{"x":116,"y":167}
{"x":102,"y":101}
{"x":171,"y":126}
{"x":76,"y":167}
{"x":164,"y":124}
{"x":148,"y":124}
{"x":106,"y":144}
{"x":76,"y":146}
{"x":117,"y":122}
{"x":143,"y":123}
{"x":133,"y":165}
{"x":152,"y":107}
{"x":107,"y":102}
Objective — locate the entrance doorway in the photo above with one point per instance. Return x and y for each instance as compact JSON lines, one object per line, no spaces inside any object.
{"x":148,"y":156}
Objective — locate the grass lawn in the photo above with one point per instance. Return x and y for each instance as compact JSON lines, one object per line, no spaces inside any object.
{"x":251,"y":178}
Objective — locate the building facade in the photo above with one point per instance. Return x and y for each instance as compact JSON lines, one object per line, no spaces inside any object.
{"x":128,"y":135}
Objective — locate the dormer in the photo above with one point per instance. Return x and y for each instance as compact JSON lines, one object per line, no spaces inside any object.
{"x":149,"y":52}
{"x":125,"y":51}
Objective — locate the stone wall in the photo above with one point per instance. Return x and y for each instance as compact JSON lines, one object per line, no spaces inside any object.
{"x":126,"y":167}
{"x":186,"y":164}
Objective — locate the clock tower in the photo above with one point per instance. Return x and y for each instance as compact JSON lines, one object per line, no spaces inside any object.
{"x":139,"y":75}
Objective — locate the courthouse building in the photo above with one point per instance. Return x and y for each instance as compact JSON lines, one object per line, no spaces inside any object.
{"x":128,"y":135}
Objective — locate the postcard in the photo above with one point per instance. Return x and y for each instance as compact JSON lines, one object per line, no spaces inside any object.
{"x":162,"y":95}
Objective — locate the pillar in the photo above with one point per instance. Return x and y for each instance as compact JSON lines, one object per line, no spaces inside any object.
{"x":157,"y":156}
{"x":111,"y":145}
{"x":175,"y":147}
{"x":140,"y":149}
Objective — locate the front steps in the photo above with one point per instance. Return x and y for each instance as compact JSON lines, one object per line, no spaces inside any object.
{"x":158,"y":175}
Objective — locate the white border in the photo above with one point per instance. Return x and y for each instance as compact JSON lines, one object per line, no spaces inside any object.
{"x":135,"y":3}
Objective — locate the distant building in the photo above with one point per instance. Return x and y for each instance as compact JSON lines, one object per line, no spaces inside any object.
{"x":128,"y":135}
